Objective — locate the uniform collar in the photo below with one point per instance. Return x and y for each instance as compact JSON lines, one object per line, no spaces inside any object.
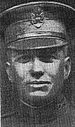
{"x":45,"y":114}
{"x":40,"y":116}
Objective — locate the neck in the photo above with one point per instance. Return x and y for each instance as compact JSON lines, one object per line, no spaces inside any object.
{"x":41,"y":115}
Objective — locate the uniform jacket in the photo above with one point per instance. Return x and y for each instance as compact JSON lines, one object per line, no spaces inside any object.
{"x":62,"y":116}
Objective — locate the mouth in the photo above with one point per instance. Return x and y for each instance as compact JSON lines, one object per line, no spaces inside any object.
{"x":40,"y":88}
{"x":39,"y":83}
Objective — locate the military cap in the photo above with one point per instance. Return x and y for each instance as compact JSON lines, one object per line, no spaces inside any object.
{"x":32,"y":25}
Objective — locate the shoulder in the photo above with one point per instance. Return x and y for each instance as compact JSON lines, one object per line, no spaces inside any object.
{"x":70,"y":115}
{"x":9,"y":120}
{"x":72,"y":108}
{"x":66,"y":115}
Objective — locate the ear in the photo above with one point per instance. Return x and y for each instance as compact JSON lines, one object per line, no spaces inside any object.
{"x":7,"y":67}
{"x":67,"y":67}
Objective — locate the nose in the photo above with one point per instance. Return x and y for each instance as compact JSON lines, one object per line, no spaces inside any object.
{"x":37,"y":69}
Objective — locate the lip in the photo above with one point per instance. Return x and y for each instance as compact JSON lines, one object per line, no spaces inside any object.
{"x":39,"y":93}
{"x":40,"y":86}
{"x":39,"y":83}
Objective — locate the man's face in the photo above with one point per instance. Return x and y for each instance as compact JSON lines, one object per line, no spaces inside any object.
{"x":38,"y":74}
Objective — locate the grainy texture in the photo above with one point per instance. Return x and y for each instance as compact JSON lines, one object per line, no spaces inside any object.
{"x":59,"y":113}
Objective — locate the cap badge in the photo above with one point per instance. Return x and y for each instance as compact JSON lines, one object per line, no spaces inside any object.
{"x":37,"y":18}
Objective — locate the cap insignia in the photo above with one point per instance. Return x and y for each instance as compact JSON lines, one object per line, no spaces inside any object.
{"x":37,"y":18}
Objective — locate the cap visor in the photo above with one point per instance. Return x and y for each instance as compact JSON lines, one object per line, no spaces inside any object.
{"x":36,"y":43}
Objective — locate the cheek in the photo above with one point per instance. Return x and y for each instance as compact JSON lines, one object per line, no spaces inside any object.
{"x":52,"y":68}
{"x":22,"y":69}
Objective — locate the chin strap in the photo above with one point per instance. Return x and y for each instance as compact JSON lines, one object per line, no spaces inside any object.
{"x":30,"y":106}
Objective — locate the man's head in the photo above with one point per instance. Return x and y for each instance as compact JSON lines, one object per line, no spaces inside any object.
{"x":37,"y":52}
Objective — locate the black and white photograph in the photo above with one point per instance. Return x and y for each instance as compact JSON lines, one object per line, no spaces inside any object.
{"x":37,"y":51}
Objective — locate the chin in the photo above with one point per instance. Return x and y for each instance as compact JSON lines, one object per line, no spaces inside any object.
{"x":38,"y":100}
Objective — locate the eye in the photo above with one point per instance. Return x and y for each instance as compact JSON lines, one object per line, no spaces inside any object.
{"x":54,"y":56}
{"x":48,"y":58}
{"x":23,"y":59}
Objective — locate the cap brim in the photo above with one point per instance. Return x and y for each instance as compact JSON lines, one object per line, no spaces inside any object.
{"x":37,"y":43}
